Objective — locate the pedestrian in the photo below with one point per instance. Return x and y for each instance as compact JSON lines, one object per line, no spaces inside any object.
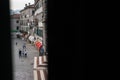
{"x":16,"y":43}
{"x":41,"y":51}
{"x":25,"y":53}
{"x":24,"y":46}
{"x":20,"y":53}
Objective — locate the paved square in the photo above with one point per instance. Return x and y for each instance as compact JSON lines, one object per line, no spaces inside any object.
{"x":23,"y":67}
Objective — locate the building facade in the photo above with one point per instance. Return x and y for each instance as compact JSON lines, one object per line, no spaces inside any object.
{"x":38,"y":29}
{"x":15,"y":22}
{"x":44,"y":2}
{"x":40,"y":21}
{"x":26,"y":17}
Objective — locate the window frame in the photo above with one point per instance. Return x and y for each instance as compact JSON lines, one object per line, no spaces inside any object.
{"x":17,"y":21}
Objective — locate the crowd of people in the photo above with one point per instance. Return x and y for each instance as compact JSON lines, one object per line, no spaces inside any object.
{"x":22,"y":51}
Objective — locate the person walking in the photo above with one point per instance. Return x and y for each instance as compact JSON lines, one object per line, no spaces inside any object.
{"x":20,"y":53}
{"x":41,"y":51}
{"x":16,"y":43}
{"x":24,"y":46}
{"x":25,"y":53}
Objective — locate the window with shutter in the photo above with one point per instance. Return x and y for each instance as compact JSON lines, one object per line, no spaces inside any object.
{"x":40,"y":33}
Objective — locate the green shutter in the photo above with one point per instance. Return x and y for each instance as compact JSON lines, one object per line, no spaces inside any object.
{"x":40,"y":33}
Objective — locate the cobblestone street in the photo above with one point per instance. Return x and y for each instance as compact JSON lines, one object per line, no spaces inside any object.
{"x":28,"y":21}
{"x":23,"y":67}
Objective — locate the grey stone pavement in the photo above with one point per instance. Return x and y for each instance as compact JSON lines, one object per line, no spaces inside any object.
{"x":23,"y":67}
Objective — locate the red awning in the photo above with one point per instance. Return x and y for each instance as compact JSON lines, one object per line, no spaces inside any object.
{"x":38,"y":44}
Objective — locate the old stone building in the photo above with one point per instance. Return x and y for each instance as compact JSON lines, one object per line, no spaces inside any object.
{"x":15,"y":22}
{"x":44,"y":20}
{"x":40,"y":21}
{"x":26,"y":17}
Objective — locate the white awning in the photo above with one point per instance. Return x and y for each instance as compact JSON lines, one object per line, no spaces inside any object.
{"x":31,"y":38}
